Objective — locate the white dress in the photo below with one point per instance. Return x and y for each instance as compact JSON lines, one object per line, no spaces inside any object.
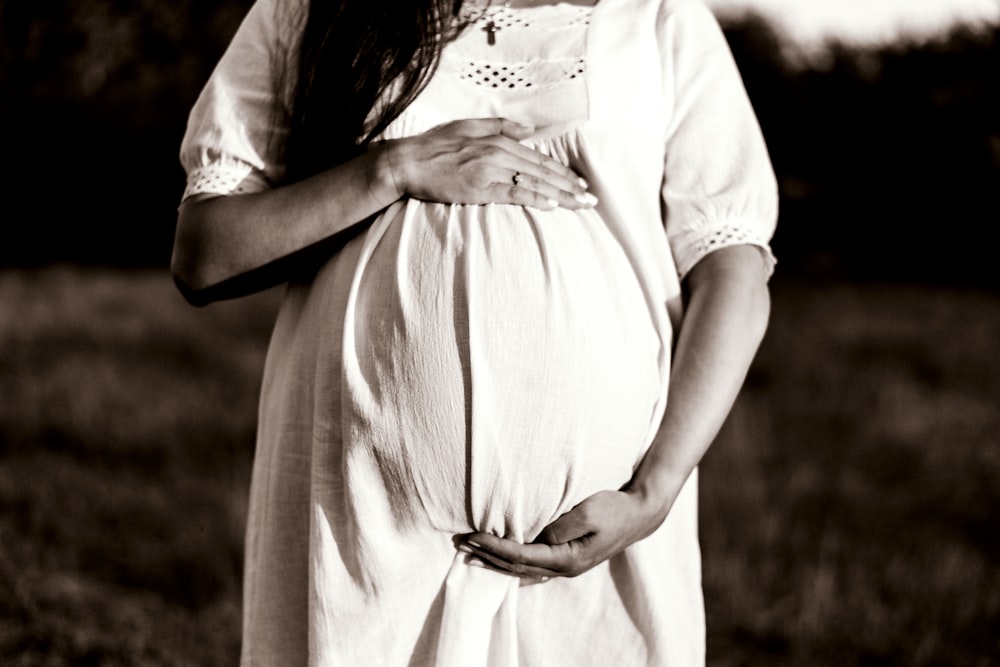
{"x":462,"y":368}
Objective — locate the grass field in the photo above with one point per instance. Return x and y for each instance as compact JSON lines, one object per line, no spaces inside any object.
{"x":849,"y":509}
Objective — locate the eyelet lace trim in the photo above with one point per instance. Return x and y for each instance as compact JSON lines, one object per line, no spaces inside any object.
{"x":548,"y":17}
{"x":217,"y":178}
{"x":521,"y":75}
{"x":509,"y":22}
{"x":726,"y":235}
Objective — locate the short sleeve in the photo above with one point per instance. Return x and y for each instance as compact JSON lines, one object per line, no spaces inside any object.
{"x":719,"y":187}
{"x":237,"y":128}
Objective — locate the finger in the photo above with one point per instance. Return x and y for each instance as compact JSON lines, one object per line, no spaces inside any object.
{"x":537,"y":173}
{"x":530,"y":190}
{"x":542,"y":556}
{"x":493,"y":562}
{"x":486,"y":127}
{"x":531,"y":161}
{"x":564,"y":560}
{"x":478,"y":557}
{"x":521,"y":196}
{"x":518,"y":131}
{"x":533,"y":194}
{"x":568,"y":189}
{"x":526,"y":579}
{"x":570,"y":526}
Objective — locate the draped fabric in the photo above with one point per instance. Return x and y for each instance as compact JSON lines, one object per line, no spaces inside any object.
{"x":461,"y":368}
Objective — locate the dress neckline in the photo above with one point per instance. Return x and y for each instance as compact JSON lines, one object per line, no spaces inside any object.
{"x":495,"y":19}
{"x":477,"y":11}
{"x":543,"y":5}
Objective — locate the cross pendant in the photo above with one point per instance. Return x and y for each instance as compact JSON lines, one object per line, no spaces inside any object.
{"x":491,"y":30}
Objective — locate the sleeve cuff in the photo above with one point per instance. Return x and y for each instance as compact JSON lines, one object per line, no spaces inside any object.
{"x":223,"y":178}
{"x":692,"y":249}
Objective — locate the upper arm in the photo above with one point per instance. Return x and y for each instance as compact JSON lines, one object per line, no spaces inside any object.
{"x":734,"y":279}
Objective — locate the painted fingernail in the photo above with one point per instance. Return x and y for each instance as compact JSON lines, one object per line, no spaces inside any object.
{"x":586,"y":198}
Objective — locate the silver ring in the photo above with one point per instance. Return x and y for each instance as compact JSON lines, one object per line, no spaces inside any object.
{"x":517,"y":178}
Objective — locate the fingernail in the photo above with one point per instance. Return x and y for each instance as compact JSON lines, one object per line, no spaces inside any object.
{"x":543,"y":579}
{"x":465,"y":548}
{"x":553,"y":202}
{"x":586,"y":198}
{"x":474,"y":544}
{"x":583,"y":183}
{"x":475,"y":562}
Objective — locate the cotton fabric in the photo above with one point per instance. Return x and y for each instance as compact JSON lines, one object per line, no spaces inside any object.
{"x":462,"y":368}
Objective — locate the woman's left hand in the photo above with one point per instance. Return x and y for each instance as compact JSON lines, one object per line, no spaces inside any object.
{"x":597,"y":529}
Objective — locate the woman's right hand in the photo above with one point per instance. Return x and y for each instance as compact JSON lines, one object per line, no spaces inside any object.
{"x":475,"y":161}
{"x":227,"y":246}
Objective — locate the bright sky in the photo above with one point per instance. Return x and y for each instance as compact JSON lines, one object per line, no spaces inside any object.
{"x":810,"y":21}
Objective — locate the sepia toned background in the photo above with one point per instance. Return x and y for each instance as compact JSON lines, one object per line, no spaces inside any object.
{"x":849,"y":508}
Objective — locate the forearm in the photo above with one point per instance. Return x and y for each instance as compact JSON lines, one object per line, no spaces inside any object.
{"x":723,"y":325}
{"x":228,"y":246}
{"x":221,"y":238}
{"x":725,"y":320}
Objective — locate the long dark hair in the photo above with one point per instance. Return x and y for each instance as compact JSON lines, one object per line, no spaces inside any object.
{"x":354,"y":54}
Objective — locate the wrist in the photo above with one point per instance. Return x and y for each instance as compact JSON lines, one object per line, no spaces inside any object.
{"x":655,"y":495}
{"x":384,"y":178}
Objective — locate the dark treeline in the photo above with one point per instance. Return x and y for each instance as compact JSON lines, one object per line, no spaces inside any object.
{"x":888,"y":157}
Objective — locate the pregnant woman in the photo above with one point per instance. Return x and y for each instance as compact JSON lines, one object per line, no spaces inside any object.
{"x":526,"y":254}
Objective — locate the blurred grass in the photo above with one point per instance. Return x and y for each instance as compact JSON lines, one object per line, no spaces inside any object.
{"x":126,"y":433}
{"x":848,"y":509}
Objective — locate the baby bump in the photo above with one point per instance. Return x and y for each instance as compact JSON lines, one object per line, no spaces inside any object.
{"x":507,"y":364}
